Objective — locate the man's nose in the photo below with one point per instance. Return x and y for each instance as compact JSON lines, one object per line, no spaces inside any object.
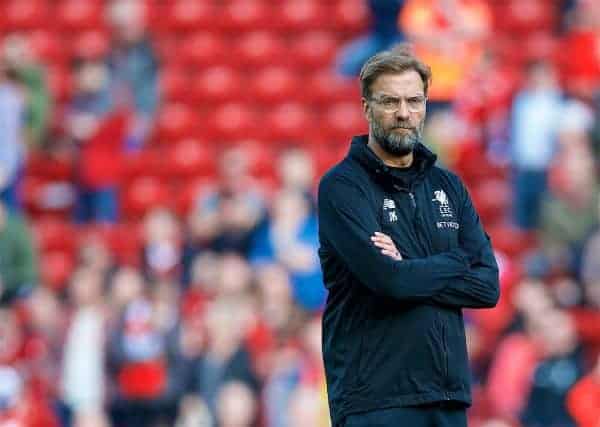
{"x":402,"y":113}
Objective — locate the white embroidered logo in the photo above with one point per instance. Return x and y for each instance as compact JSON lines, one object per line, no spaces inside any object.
{"x":442,"y":198}
{"x":388,"y":204}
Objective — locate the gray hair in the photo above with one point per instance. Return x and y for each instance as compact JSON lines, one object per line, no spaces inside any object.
{"x":398,"y":59}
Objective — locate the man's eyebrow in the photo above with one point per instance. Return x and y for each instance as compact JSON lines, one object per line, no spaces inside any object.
{"x":385,"y":95}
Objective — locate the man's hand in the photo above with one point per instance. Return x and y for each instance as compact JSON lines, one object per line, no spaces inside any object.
{"x":386,"y":244}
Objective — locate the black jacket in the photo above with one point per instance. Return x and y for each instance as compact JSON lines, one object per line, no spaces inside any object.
{"x":393,"y":332}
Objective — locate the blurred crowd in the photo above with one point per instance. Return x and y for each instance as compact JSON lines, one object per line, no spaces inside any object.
{"x":158,"y":230}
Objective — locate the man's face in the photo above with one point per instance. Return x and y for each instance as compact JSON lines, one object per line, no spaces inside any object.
{"x":396,"y":111}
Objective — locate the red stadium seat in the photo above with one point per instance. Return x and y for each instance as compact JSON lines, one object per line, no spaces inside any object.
{"x":230,"y":122}
{"x":258,"y":48}
{"x":325,"y":157}
{"x":262,"y":161}
{"x":189,"y":159}
{"x":203,"y":49}
{"x":56,"y":269}
{"x":43,"y":166}
{"x":55,"y":235}
{"x":175,"y":85}
{"x":167,"y":48}
{"x":492,"y":199}
{"x":147,"y":162}
{"x":187,"y":195}
{"x":327,"y":87}
{"x":41,"y":196}
{"x":77,"y":15}
{"x":350,"y":16}
{"x":288,"y":123}
{"x":91,"y":44}
{"x":302,"y":15}
{"x":275,"y":85}
{"x":190,"y":15}
{"x":245,"y":15}
{"x":48,"y":47}
{"x":510,"y":240}
{"x":59,"y":82}
{"x":525,"y":16}
{"x":217,"y":85}
{"x":125,"y":242}
{"x":143,"y":194}
{"x":25,"y":15}
{"x":344,"y":120}
{"x":313,"y":49}
{"x":175,"y":122}
{"x":540,"y":45}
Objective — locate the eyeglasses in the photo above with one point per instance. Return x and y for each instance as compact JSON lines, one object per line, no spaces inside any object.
{"x":391,"y":104}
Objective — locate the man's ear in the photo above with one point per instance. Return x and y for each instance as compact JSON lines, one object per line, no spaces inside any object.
{"x":366,"y":107}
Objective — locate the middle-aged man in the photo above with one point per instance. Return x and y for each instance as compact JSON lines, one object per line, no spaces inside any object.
{"x":402,"y":251}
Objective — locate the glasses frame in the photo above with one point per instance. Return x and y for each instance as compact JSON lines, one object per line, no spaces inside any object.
{"x":413,"y":108}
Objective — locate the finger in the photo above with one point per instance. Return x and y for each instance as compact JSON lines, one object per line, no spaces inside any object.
{"x":382,"y":238}
{"x":385,"y":245}
{"x":392,"y":254}
{"x":380,"y":234}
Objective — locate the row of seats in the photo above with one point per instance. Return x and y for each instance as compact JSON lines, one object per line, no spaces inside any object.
{"x":350,"y":16}
{"x":200,"y":48}
{"x":221,"y":83}
{"x":287,"y":16}
{"x":283,"y":124}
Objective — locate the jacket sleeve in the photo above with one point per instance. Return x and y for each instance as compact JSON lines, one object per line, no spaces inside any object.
{"x":479,"y":286}
{"x":346,"y":224}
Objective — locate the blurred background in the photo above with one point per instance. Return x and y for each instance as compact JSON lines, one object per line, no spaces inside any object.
{"x":158,"y":233}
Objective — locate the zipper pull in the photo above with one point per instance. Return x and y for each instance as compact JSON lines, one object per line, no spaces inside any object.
{"x":412,"y":199}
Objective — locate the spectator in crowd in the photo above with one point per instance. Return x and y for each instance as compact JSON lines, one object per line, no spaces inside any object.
{"x":133,"y":69}
{"x":289,"y":237}
{"x":383,"y":33}
{"x":296,"y":171}
{"x":162,"y":249}
{"x":224,"y":218}
{"x":98,"y":130}
{"x":236,"y":405}
{"x":83,"y":365}
{"x":142,"y":355}
{"x":12,"y":144}
{"x":535,"y":117}
{"x":569,"y":209}
{"x":18,"y":259}
{"x":448,"y":35}
{"x":19,"y":57}
{"x":226,"y":357}
{"x":557,"y":371}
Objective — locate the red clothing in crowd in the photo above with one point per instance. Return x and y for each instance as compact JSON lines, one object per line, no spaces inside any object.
{"x":583,"y":401}
{"x":580,"y":60}
{"x":102,"y":155}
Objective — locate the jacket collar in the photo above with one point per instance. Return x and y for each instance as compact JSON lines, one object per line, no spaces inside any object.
{"x":359,"y":151}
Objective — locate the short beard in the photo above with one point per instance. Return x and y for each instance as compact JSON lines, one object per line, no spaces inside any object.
{"x":394,"y":144}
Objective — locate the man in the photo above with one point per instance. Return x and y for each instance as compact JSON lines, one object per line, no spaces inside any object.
{"x":402,"y":251}
{"x":18,"y":262}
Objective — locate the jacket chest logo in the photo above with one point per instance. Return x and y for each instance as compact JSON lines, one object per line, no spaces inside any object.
{"x":389,"y":208}
{"x":445,"y":209}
